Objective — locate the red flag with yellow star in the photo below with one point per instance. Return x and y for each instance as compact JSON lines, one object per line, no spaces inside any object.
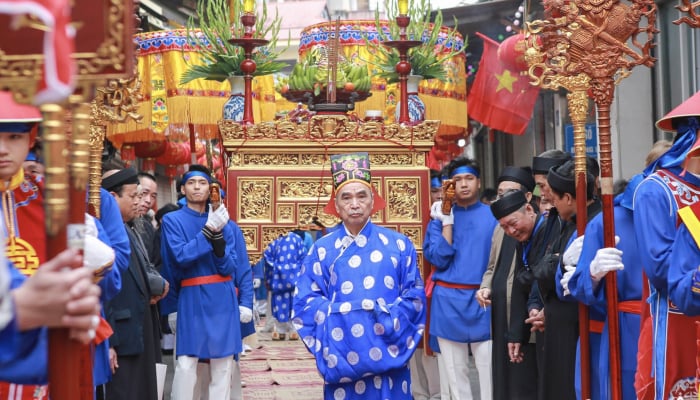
{"x":501,"y":97}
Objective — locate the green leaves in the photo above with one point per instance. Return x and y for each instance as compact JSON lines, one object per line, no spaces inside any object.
{"x":427,"y":59}
{"x":221,"y":58}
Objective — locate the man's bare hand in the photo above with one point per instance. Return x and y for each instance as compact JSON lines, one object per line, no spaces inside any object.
{"x":537,"y":320}
{"x":514,"y":353}
{"x":156,"y":299}
{"x":113,"y":363}
{"x":483,"y":296}
{"x":60,"y":294}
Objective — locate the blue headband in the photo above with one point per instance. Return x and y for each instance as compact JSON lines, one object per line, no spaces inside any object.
{"x":16,"y":127}
{"x":31,"y":156}
{"x":191,"y":174}
{"x":435,"y":183}
{"x":673,"y":157}
{"x":464,"y":169}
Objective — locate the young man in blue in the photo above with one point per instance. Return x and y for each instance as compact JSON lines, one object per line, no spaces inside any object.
{"x":459,"y":249}
{"x":207,"y":257}
{"x":585,"y":281}
{"x":665,"y":366}
{"x":684,"y":273}
{"x":360,"y":303}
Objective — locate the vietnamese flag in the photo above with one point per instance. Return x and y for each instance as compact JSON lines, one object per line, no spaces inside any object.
{"x":501,"y":97}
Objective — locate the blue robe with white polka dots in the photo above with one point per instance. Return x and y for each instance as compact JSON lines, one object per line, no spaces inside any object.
{"x":360,"y":309}
{"x":285,"y":254}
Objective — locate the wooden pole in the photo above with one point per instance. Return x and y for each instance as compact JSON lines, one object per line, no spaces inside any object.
{"x":79,"y":170}
{"x":578,"y":109}
{"x":606,"y":179}
{"x":70,"y":364}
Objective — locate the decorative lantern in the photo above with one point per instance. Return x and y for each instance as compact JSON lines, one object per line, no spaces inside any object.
{"x":174,"y":155}
{"x":148,"y":151}
{"x":511,"y":53}
{"x":216,"y":162}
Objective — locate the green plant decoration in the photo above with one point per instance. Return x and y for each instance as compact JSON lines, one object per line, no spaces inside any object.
{"x":221,"y":58}
{"x":427,"y":59}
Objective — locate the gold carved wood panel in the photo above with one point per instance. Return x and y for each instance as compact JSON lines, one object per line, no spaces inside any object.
{"x":272,"y":201}
{"x":254,"y":199}
{"x":281,"y":176}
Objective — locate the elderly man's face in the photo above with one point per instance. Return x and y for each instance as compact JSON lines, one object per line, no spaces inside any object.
{"x":354,"y":203}
{"x":519,"y":224}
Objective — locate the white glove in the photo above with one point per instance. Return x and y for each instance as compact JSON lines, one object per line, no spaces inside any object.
{"x":97,"y":255}
{"x":216,"y":220}
{"x":606,"y":259}
{"x":436,"y":213}
{"x":90,"y":226}
{"x":570,"y":269}
{"x":256,"y":283}
{"x":573,"y":252}
{"x":246,"y":314}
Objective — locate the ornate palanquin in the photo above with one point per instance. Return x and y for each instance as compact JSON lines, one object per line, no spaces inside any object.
{"x":279,"y":174}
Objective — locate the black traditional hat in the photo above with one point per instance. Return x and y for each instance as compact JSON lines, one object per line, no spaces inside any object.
{"x":542,"y":165}
{"x":126,"y":176}
{"x":508,"y":204}
{"x":519,"y":175}
{"x":561,"y":183}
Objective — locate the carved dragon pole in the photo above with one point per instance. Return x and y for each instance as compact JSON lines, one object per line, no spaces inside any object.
{"x":592,"y":39}
{"x":546,"y":74}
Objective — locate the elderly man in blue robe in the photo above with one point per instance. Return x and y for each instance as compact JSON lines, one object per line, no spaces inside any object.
{"x":359,"y":305}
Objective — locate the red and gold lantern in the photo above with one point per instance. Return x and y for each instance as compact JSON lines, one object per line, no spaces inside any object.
{"x":174,"y":156}
{"x":148,"y":152}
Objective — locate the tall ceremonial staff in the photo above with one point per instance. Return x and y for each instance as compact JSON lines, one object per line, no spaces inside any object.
{"x":584,"y":43}
{"x":78,"y":45}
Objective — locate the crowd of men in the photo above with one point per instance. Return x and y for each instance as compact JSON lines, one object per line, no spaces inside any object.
{"x":505,"y":282}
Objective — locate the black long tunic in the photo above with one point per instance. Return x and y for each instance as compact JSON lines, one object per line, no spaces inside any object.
{"x":557,"y":346}
{"x":136,"y":334}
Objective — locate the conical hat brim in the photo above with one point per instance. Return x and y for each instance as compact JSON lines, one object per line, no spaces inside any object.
{"x":12,"y":112}
{"x":689,"y":108}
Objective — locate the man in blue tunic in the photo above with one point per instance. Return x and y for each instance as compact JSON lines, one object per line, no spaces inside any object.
{"x":359,"y":305}
{"x":460,"y":256}
{"x":684,"y":272}
{"x":666,"y":368}
{"x":585,"y":281}
{"x":207,"y":257}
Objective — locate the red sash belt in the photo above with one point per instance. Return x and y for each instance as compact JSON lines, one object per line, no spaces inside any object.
{"x":203,"y":280}
{"x":629,"y":306}
{"x":457,"y":285}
